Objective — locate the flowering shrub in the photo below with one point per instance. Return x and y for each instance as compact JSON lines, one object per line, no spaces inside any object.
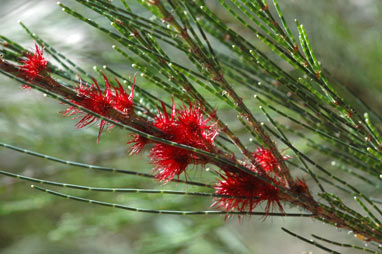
{"x":195,"y":134}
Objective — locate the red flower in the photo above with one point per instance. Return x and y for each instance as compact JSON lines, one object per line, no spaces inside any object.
{"x":93,"y":99}
{"x":168,"y":124}
{"x":267,"y":160}
{"x":170,"y":161}
{"x":35,"y":63}
{"x":186,"y":126}
{"x":122,"y":101}
{"x":194,"y":129}
{"x":247,"y":191}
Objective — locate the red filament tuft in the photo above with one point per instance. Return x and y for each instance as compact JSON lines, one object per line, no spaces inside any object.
{"x":102,"y":103}
{"x":170,"y":161}
{"x":246,"y":192}
{"x":35,"y":64}
{"x":267,"y":160}
{"x":186,"y":126}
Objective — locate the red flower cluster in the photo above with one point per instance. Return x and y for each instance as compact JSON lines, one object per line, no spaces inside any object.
{"x":186,"y":126}
{"x":35,"y":63}
{"x":266,"y":159}
{"x":247,"y":191}
{"x":92,"y":98}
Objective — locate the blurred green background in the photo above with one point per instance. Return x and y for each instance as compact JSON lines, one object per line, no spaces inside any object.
{"x":346,"y":36}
